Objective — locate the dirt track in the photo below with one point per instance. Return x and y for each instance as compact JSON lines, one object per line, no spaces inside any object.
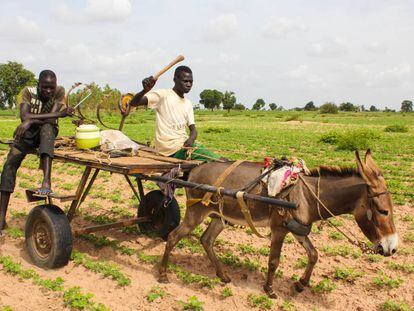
{"x":360,"y":294}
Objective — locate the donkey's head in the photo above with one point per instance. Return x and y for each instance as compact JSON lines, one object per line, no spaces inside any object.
{"x":375,"y":214}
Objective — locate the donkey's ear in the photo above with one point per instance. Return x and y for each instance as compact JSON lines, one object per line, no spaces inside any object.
{"x":361,"y":167}
{"x":371,"y":163}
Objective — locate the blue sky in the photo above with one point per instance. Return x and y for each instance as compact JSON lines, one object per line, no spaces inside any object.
{"x":287,"y":52}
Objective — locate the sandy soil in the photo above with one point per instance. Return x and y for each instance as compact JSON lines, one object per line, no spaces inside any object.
{"x":361,"y":294}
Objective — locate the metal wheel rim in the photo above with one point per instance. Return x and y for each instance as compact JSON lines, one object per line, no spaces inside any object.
{"x":41,"y":239}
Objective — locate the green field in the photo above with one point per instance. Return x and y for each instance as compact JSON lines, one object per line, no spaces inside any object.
{"x":254,"y":135}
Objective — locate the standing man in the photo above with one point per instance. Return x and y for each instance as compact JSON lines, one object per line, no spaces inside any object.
{"x":174,"y":113}
{"x":40,"y":107}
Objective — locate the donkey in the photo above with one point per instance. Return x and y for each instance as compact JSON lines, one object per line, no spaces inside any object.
{"x":361,"y":192}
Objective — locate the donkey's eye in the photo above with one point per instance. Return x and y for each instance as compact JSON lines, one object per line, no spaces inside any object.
{"x":383,"y":212}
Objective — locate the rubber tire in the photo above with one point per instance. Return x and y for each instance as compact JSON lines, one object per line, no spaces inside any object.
{"x":163,"y":220}
{"x":58,"y":227}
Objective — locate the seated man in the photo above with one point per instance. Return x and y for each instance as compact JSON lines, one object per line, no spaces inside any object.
{"x":39,"y":109}
{"x":173,"y":114}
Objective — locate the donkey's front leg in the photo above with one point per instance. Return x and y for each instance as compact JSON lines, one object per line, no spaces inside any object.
{"x":193,"y":217}
{"x":312,"y":259}
{"x":278,"y":235}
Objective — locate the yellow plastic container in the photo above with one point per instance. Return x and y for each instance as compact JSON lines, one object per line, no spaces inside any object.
{"x":87,"y":136}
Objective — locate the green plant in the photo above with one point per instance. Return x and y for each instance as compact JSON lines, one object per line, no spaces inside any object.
{"x":246,"y":248}
{"x":18,"y":214}
{"x":53,"y":285}
{"x":407,"y":217}
{"x":191,"y":278}
{"x":15,"y":268}
{"x":288,"y":306}
{"x":335,"y":235}
{"x":216,"y":130}
{"x":74,"y":299}
{"x":391,"y":305}
{"x":15,"y":233}
{"x":325,"y":285}
{"x":347,"y":274}
{"x":293,"y":117}
{"x":155,"y":293}
{"x":289,"y":239}
{"x":406,"y":267}
{"x":374,"y":257}
{"x":341,"y":250}
{"x":330,"y":138}
{"x":192,"y":246}
{"x":302,"y":262}
{"x":226,"y":292}
{"x":408,"y":237}
{"x":383,"y":280}
{"x":396,"y":128}
{"x":105,"y":268}
{"x":260,"y":301}
{"x":192,"y":304}
{"x":328,"y":108}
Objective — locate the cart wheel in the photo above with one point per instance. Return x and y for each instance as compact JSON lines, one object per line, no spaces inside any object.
{"x":48,"y":236}
{"x":164,"y":219}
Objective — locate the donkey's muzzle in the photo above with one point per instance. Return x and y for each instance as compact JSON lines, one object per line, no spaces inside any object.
{"x":388,"y":245}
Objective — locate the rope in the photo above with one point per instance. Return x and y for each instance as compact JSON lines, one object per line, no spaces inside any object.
{"x":364,"y":248}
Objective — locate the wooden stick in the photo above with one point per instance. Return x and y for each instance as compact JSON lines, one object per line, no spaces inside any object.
{"x":178,"y":59}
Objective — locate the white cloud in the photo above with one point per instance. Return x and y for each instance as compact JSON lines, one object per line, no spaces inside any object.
{"x":394,"y":77}
{"x":222,"y":28}
{"x":304,"y":75}
{"x":283,"y":26}
{"x":95,"y":11}
{"x":225,"y":58}
{"x":108,"y":10}
{"x":21,"y":30}
{"x":376,"y":48}
{"x":329,"y":48}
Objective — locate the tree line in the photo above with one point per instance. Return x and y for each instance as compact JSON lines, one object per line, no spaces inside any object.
{"x":14,"y":77}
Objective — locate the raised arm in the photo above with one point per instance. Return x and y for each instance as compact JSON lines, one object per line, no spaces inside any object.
{"x":139,"y":99}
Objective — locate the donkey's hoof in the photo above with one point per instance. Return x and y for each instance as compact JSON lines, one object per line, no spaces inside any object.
{"x":163,"y":279}
{"x":269,"y":291}
{"x":224,"y":278}
{"x":299,"y":287}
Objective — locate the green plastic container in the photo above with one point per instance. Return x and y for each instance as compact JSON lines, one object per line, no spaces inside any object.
{"x":87,"y":136}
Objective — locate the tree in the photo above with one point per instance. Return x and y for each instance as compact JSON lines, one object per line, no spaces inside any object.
{"x":260,"y":103}
{"x":239,"y":107}
{"x":407,"y":106}
{"x":13,"y":78}
{"x":373,"y":108}
{"x":272,"y":106}
{"x":106,"y":97}
{"x":211,"y":99}
{"x":347,"y":107}
{"x":309,"y":106}
{"x":328,"y":108}
{"x":229,"y":100}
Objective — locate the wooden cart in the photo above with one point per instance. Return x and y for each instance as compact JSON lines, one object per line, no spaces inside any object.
{"x":48,"y":232}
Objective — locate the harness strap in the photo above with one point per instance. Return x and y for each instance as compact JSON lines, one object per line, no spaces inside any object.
{"x":246,"y":213}
{"x":206,"y":200}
